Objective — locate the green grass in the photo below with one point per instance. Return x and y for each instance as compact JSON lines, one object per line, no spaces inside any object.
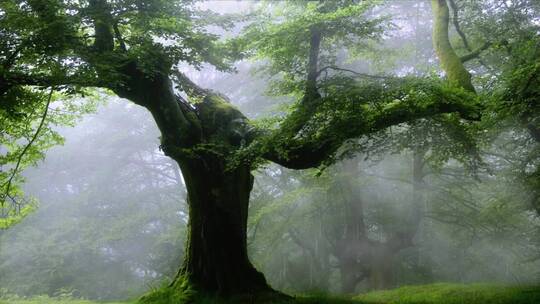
{"x":48,"y":300}
{"x":445,"y":293}
{"x":440,"y":293}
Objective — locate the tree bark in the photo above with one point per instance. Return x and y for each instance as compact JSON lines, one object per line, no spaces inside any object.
{"x":451,"y":63}
{"x":200,"y":139}
{"x":381,"y":275}
{"x":216,"y":255}
{"x":216,"y":262}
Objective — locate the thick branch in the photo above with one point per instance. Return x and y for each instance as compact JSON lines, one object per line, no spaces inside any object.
{"x":292,"y":146}
{"x":12,"y":79}
{"x":192,"y":89}
{"x":296,"y":152}
{"x":178,"y":124}
{"x":450,"y":62}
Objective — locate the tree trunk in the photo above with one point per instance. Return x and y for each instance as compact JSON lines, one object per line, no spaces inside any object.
{"x":351,"y":246}
{"x":216,"y":260}
{"x":450,"y":62}
{"x":381,"y":275}
{"x":349,"y":277}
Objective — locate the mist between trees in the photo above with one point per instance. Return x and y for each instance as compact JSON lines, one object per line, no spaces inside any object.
{"x":107,"y":228}
{"x":393,"y":195}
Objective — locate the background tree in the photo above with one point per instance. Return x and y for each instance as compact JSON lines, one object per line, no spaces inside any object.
{"x":105,"y":234}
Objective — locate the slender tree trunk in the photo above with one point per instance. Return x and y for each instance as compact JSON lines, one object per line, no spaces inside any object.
{"x":418,"y":186}
{"x":348,"y":281}
{"x":381,"y":275}
{"x":354,"y":243}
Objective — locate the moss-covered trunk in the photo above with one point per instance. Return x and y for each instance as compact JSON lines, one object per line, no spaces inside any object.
{"x":200,"y":138}
{"x":450,"y":62}
{"x":216,"y":258}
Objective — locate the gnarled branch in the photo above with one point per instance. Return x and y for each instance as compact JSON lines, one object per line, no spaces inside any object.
{"x":294,"y":151}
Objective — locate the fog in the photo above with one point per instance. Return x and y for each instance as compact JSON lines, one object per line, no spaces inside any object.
{"x":402,"y":206}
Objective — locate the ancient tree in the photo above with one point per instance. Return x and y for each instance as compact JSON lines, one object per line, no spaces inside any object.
{"x":132,"y":49}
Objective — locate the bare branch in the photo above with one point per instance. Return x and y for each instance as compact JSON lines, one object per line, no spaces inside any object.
{"x":472,"y":54}
{"x":353,"y":72}
{"x":455,"y":21}
{"x":476,"y":53}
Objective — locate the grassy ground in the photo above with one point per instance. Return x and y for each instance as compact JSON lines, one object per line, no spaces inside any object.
{"x":47,"y":300}
{"x":441,"y":293}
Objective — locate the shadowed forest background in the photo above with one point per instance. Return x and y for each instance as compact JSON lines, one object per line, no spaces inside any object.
{"x":103,"y":215}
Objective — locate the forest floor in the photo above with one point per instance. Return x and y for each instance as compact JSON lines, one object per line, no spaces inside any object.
{"x":440,"y":293}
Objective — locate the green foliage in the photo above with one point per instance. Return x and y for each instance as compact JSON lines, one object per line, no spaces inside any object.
{"x":108,"y":233}
{"x":52,"y":43}
{"x":281,"y":34}
{"x":29,"y":121}
{"x":351,"y":109}
{"x":15,"y":214}
{"x":59,"y":36}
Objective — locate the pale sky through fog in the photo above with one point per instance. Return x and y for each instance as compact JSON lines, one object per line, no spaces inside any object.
{"x":227,"y":6}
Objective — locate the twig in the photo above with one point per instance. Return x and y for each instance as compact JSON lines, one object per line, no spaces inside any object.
{"x":9,"y":183}
{"x":119,"y":37}
{"x":476,"y":53}
{"x":353,"y":72}
{"x":456,"y":25}
{"x":472,"y":54}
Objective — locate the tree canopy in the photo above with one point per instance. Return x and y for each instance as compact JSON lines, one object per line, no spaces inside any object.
{"x":55,"y":51}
